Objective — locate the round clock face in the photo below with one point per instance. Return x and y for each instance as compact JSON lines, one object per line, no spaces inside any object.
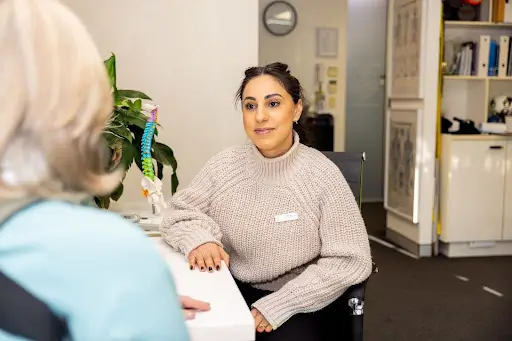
{"x":280,"y":18}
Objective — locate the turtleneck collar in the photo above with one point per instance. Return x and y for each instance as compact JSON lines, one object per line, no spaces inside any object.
{"x":274,"y":168}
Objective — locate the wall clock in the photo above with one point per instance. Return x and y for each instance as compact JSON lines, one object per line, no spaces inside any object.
{"x":280,"y":18}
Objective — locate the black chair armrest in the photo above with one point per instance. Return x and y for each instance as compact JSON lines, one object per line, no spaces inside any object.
{"x":353,"y":300}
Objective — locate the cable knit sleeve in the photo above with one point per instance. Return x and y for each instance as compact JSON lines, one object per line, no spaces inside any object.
{"x":186,"y":224}
{"x":345,"y":258}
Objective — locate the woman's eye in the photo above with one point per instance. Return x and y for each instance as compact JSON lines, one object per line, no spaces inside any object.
{"x":273,"y":104}
{"x":250,"y":106}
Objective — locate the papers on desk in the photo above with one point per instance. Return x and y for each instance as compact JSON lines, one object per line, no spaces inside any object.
{"x":229,"y":317}
{"x":150,"y":223}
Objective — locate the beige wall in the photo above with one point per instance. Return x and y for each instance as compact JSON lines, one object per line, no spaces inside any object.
{"x":298,"y":50}
{"x":189,"y":56}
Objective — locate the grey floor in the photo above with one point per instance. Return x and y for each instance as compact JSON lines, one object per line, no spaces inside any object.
{"x":426,"y":300}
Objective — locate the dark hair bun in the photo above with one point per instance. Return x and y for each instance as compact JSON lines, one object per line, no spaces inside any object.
{"x":278,"y":66}
{"x":251,"y":71}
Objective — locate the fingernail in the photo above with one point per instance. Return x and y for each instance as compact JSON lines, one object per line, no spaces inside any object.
{"x":218,"y":268}
{"x":210,"y":269}
{"x":191,"y":267}
{"x":202,"y":268}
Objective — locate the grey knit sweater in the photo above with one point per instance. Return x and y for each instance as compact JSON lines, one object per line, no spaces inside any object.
{"x":290,"y":225}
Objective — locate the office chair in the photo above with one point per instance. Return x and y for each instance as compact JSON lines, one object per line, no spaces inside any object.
{"x":21,"y":313}
{"x":351,"y":165}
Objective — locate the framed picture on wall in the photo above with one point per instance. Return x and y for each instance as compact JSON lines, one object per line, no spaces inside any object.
{"x":406,"y":52}
{"x":402,"y":166}
{"x":327,"y":42}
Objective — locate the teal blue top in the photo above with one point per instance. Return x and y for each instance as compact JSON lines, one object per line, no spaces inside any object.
{"x":94,"y":268}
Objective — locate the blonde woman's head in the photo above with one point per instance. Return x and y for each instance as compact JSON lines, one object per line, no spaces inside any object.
{"x":54,"y":102}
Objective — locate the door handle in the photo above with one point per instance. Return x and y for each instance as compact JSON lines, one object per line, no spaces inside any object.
{"x":496,"y":147}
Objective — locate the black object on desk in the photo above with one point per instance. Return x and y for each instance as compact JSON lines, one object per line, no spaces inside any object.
{"x":320,"y":130}
{"x":466,"y":127}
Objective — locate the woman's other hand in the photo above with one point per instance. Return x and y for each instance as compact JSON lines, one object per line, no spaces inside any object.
{"x":208,"y":257}
{"x":260,"y":322}
{"x":191,"y":306}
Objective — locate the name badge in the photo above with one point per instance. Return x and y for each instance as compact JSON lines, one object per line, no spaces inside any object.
{"x":286,"y":217}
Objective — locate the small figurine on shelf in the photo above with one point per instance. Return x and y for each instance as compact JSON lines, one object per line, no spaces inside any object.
{"x":151,"y":185}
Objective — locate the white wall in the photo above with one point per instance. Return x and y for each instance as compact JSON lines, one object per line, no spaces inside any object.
{"x":189,"y":56}
{"x":298,"y":50}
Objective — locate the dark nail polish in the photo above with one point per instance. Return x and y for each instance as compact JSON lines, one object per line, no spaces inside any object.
{"x":218,"y":268}
{"x":191,"y":267}
{"x":210,"y":268}
{"x":202,"y":268}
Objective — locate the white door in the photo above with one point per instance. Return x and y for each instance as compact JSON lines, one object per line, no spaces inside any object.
{"x":410,"y":137}
{"x":404,"y":100}
{"x":365,"y":105}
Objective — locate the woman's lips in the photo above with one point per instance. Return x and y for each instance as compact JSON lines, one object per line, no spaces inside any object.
{"x":263,"y":131}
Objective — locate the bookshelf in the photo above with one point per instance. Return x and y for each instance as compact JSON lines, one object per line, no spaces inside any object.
{"x":474,"y":176}
{"x":471,"y":78}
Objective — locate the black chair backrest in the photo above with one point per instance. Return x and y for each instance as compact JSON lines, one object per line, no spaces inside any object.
{"x":352,"y":310}
{"x":21,"y":313}
{"x":351,"y":165}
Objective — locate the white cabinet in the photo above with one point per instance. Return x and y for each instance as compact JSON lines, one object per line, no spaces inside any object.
{"x":476,"y":195}
{"x":507,"y":205}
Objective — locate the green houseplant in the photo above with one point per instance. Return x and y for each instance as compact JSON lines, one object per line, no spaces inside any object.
{"x":123,"y":134}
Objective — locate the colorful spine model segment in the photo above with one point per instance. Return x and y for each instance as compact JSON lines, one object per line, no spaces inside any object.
{"x":147,"y":141}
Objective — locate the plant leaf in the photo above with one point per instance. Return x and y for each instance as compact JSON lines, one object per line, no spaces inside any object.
{"x":138,"y":156}
{"x":137,"y":105}
{"x":102,"y":202}
{"x":129,"y":153}
{"x":121,"y":131}
{"x":131,"y":118}
{"x":118,"y":192}
{"x":159,"y":170}
{"x":132,"y":94}
{"x":174,"y":183}
{"x":164,"y":154}
{"x":97,"y":201}
{"x":110,"y":65}
{"x":112,"y":140}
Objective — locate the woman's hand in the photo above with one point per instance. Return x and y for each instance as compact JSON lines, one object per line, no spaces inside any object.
{"x":260,"y":323}
{"x":191,"y":306}
{"x":208,"y":257}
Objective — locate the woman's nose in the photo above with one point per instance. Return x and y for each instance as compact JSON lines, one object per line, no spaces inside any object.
{"x":261,"y":115}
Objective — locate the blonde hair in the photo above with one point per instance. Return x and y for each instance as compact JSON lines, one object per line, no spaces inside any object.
{"x":55,"y":98}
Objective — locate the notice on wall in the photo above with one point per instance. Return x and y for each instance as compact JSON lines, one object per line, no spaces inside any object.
{"x":332,"y":87}
{"x":331,"y":102}
{"x":332,"y":72}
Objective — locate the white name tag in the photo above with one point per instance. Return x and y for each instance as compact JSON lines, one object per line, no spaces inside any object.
{"x":286,"y":217}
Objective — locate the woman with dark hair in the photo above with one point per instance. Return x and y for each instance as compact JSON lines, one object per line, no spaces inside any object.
{"x":280,"y":215}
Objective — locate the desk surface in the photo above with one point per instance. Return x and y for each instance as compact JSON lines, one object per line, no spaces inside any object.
{"x":229,"y":318}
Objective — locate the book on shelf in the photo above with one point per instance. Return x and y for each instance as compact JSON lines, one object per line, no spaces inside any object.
{"x":486,"y":57}
{"x":501,"y":11}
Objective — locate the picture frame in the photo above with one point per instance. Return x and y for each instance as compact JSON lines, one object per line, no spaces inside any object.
{"x":407,"y":56}
{"x":327,"y":42}
{"x":402,"y":166}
